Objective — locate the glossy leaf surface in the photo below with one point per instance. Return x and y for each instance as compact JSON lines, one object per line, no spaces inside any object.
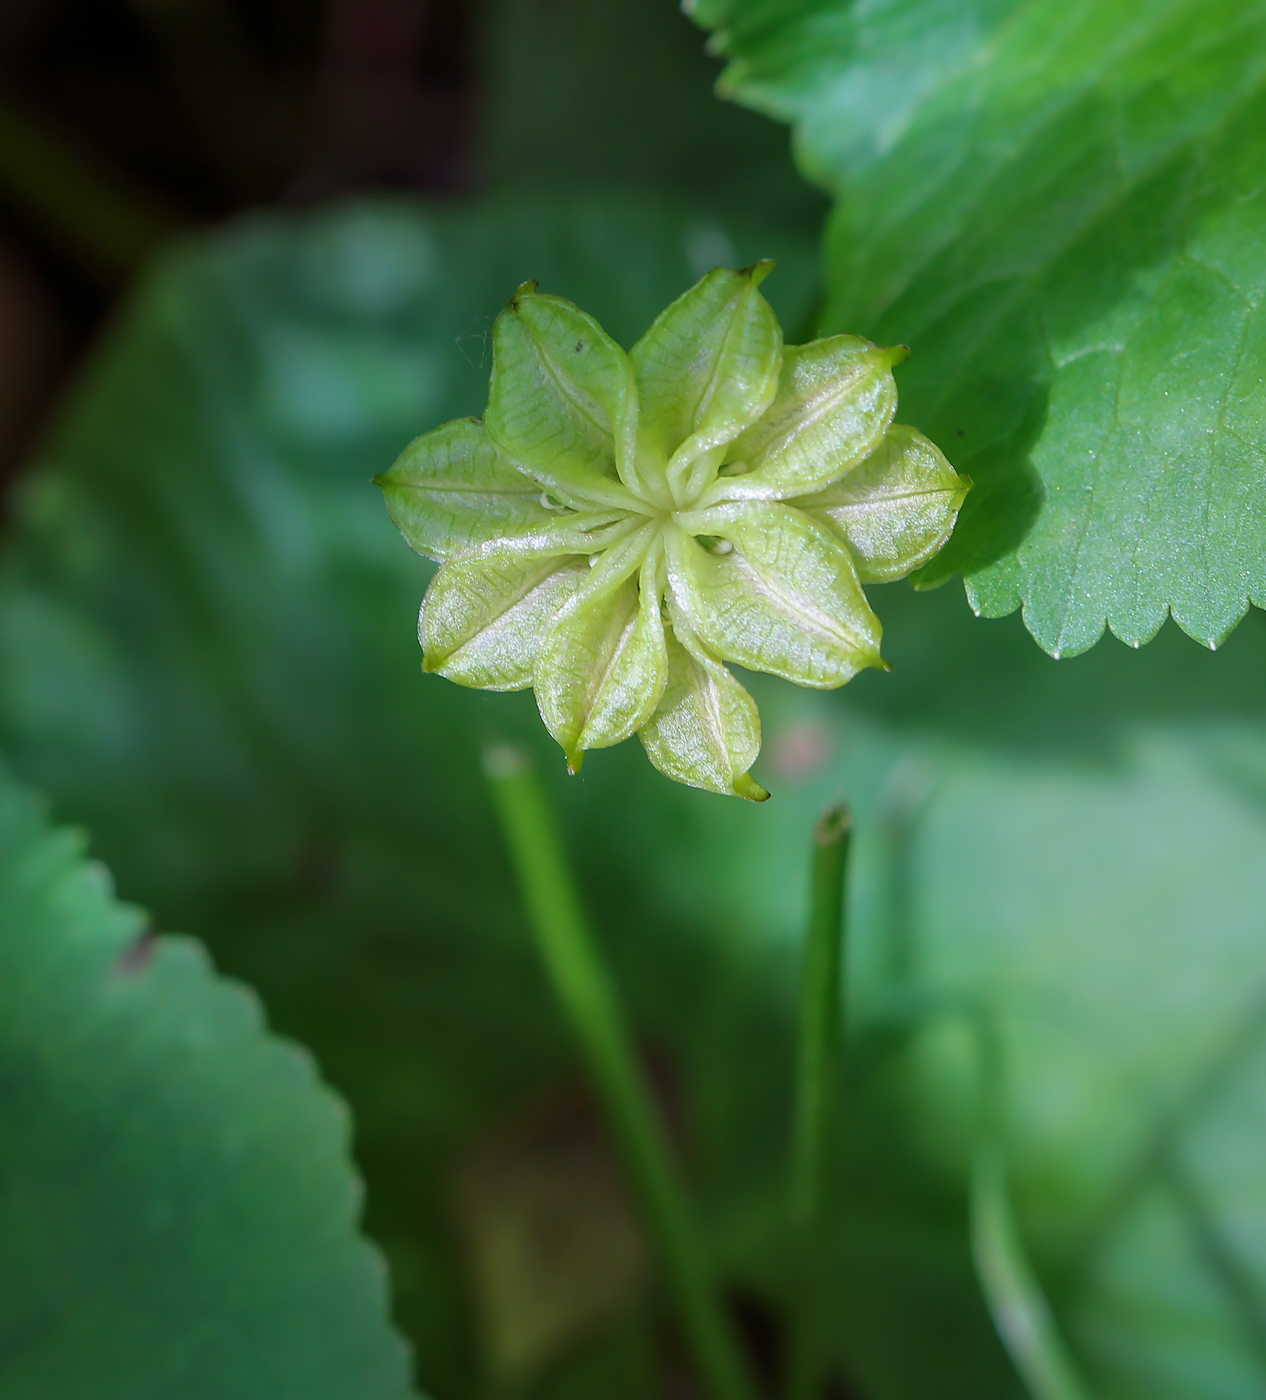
{"x":1059,"y":207}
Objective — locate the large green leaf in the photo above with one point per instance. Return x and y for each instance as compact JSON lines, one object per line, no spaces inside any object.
{"x":177,"y":1207}
{"x":1059,"y":207}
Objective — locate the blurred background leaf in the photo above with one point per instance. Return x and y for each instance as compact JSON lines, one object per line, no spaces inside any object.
{"x":1059,"y":207}
{"x":178,"y":1208}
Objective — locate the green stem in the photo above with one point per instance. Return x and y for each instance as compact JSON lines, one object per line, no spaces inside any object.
{"x":1019,"y":1307}
{"x":817,"y":1081}
{"x":1012,"y":1291}
{"x":588,"y":998}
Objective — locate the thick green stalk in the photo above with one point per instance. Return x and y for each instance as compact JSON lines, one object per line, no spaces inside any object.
{"x":588,"y":998}
{"x":817,"y":1083}
{"x":817,"y":1066}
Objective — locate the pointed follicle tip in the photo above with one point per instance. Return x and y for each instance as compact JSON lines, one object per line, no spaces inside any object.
{"x":749,"y":788}
{"x":574,"y":762}
{"x":758,"y":270}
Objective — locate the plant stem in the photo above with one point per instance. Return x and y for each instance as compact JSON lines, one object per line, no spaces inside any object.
{"x":1012,"y":1291}
{"x":588,"y":998}
{"x":1019,"y":1307}
{"x":817,"y":1082}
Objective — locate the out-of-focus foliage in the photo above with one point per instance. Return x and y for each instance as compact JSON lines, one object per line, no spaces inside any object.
{"x":1075,"y":855}
{"x":618,"y":94}
{"x":1059,"y":206}
{"x":206,"y":649}
{"x":177,"y":1206}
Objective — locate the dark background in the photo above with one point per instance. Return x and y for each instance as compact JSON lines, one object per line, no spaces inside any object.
{"x":125,"y":121}
{"x":121,"y":123}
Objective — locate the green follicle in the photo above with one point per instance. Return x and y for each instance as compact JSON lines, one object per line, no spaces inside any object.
{"x":620,"y":525}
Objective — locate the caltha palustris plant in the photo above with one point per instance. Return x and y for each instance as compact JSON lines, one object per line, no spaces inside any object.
{"x":619,"y":525}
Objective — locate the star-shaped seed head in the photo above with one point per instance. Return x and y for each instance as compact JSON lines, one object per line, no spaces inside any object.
{"x":619,"y":525}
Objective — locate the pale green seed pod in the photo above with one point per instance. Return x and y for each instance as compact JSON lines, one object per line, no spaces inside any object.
{"x":621,"y":525}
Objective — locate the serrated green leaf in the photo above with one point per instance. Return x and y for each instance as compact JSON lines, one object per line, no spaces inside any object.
{"x":178,"y":1206}
{"x":895,"y":509}
{"x":784,"y":599}
{"x":1059,"y":208}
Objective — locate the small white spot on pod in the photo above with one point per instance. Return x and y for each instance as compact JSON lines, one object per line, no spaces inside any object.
{"x":593,"y":559}
{"x":1135,"y":645}
{"x":723,"y":547}
{"x":1056,"y":655}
